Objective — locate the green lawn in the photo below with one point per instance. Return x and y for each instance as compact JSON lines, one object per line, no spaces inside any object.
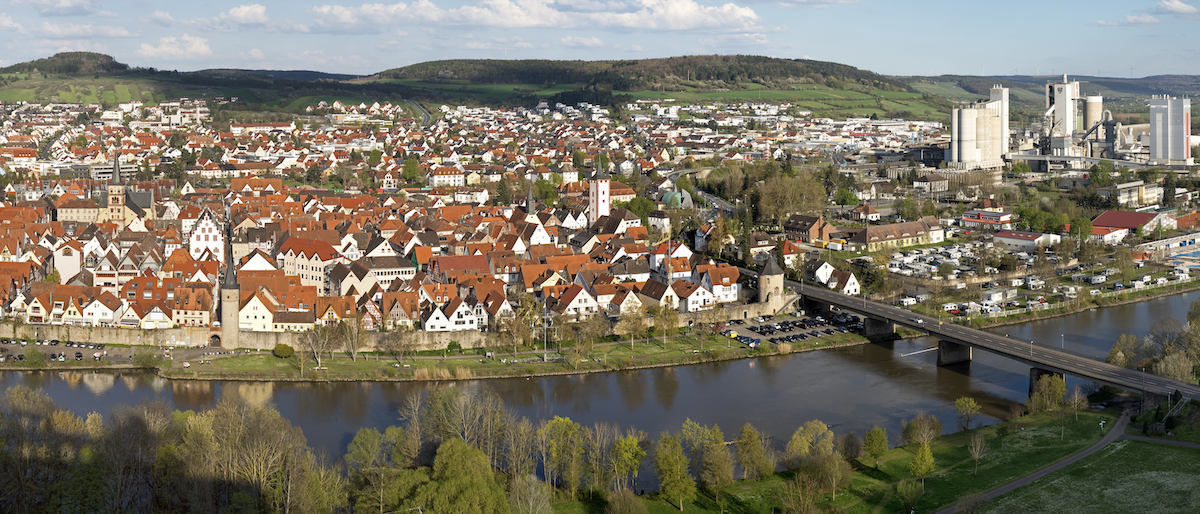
{"x":109,"y":97}
{"x":18,"y":95}
{"x":89,"y":96}
{"x":67,"y":96}
{"x":1126,"y":477}
{"x":122,"y":93}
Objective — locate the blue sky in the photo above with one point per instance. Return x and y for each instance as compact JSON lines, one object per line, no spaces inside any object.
{"x":900,"y":37}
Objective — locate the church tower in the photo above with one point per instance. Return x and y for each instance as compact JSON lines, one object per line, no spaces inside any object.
{"x":231,"y":295}
{"x":598,"y":197}
{"x":116,"y":195}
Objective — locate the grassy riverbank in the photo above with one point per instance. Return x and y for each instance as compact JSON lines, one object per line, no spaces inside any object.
{"x":569,"y":359}
{"x":1033,"y":442}
{"x":1127,"y":476}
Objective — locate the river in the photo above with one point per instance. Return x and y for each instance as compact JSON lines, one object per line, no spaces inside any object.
{"x":851,"y":388}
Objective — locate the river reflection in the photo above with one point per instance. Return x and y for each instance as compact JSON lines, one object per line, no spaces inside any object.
{"x":851,"y":388}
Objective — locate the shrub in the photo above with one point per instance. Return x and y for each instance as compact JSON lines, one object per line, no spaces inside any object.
{"x":625,"y":502}
{"x":1171,"y":423}
{"x":283,"y":351}
{"x":144,"y":359}
{"x":34,"y":358}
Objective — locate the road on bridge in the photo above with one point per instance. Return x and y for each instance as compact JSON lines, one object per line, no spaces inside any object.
{"x":1024,"y":351}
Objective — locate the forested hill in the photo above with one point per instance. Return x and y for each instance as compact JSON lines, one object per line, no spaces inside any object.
{"x":728,"y":71}
{"x":70,"y":63}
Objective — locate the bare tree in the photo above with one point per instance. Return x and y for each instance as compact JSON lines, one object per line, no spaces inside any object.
{"x":403,"y":340}
{"x":1078,"y":401}
{"x":528,"y":495}
{"x":978,"y":448}
{"x":320,"y":341}
{"x":352,"y":334}
{"x":632,"y":324}
{"x":922,"y":429}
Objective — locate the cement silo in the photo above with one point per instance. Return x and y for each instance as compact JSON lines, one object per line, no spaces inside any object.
{"x":1092,"y":115}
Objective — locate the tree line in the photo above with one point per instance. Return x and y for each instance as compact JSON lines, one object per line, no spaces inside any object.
{"x":455,"y":449}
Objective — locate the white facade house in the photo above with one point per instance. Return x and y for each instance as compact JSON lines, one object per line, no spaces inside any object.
{"x":206,"y":237}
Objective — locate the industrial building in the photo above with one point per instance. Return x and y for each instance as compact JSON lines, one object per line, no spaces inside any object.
{"x":979,"y":133}
{"x":1170,"y":126}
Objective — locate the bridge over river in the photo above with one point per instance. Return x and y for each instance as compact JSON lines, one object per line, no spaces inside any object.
{"x":957,"y":341}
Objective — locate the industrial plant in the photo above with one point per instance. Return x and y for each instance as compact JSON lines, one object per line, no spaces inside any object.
{"x":1069,"y":136}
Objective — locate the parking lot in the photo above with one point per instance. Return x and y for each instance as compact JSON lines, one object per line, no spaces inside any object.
{"x":61,"y":351}
{"x":792,"y":329}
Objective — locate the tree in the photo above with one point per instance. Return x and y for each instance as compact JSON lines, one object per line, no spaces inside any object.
{"x":626,"y":459}
{"x":813,"y":439}
{"x":671,"y":466}
{"x":716,"y":469}
{"x":565,"y":452}
{"x":1078,"y":401}
{"x":845,"y":197}
{"x":922,"y":429}
{"x":461,"y":481}
{"x":528,"y":495}
{"x":909,"y":492}
{"x":1176,"y":366}
{"x":666,"y":322}
{"x":503,"y":193}
{"x":351,"y":334}
{"x":1049,"y":393}
{"x":751,"y":454}
{"x":978,"y":448}
{"x":320,"y":341}
{"x":834,"y":471}
{"x":410,"y":171}
{"x":53,"y":277}
{"x":967,"y":409}
{"x":1081,"y":229}
{"x":876,"y":443}
{"x":922,"y":463}
{"x":632,"y":324}
{"x":799,"y":495}
{"x":401,"y":340}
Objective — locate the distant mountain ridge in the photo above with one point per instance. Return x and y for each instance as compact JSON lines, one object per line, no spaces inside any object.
{"x":300,"y":75}
{"x":71,"y":63}
{"x":728,"y":71}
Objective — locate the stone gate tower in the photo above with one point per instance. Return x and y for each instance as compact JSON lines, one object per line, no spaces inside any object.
{"x":231,"y":294}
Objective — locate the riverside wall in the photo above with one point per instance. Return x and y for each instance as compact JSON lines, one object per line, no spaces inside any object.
{"x":203,"y":336}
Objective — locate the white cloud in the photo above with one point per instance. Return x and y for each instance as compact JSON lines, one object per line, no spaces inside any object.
{"x":635,"y":48}
{"x":160,"y":17}
{"x":253,"y":14}
{"x":636,"y":14}
{"x":728,"y":40}
{"x":1176,"y":7}
{"x":60,"y":7}
{"x":107,"y":14}
{"x":68,"y":45}
{"x":7,"y":23}
{"x":581,"y":42}
{"x":318,"y":57}
{"x":253,"y":53}
{"x":1131,"y":20}
{"x":172,"y":48}
{"x":77,"y":30}
{"x":816,"y":4}
{"x":242,"y":16}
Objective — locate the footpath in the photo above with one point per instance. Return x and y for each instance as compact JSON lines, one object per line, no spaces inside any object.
{"x":1116,"y":432}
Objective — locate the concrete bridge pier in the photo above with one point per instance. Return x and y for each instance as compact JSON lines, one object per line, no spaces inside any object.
{"x":814,"y":307}
{"x":878,"y":328}
{"x":1037,"y":373}
{"x":952,"y":353}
